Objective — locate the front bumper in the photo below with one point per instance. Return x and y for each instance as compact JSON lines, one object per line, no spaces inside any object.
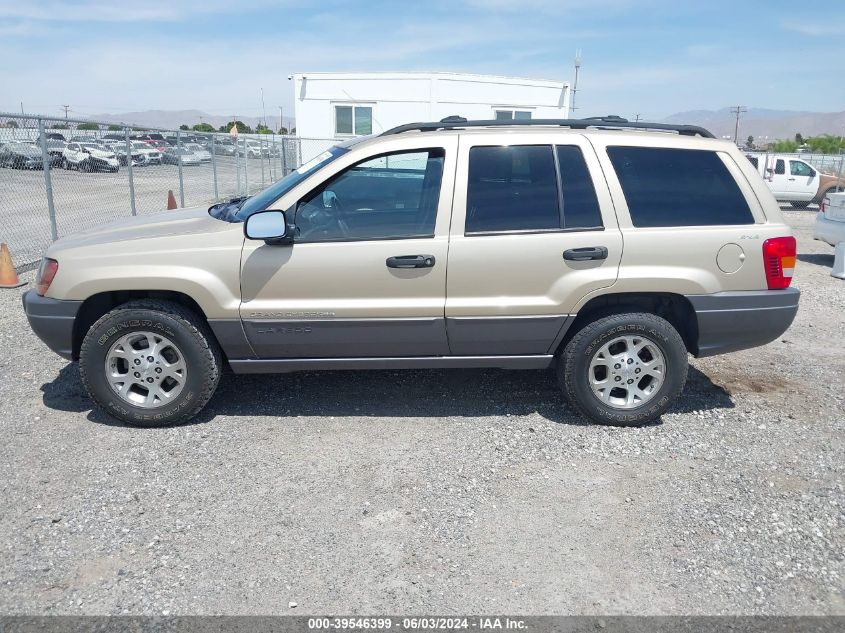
{"x":731,"y":321}
{"x":52,"y":321}
{"x":830,"y":231}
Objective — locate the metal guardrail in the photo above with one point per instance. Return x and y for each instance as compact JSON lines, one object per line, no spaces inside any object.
{"x":47,"y":192}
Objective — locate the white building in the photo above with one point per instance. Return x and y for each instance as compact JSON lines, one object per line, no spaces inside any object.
{"x":338,"y":105}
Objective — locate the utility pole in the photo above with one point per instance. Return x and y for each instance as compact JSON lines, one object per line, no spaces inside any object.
{"x":66,"y":108}
{"x":575,"y":84}
{"x":281,"y":120}
{"x":637,"y":117}
{"x":263,"y":109}
{"x":737,"y":111}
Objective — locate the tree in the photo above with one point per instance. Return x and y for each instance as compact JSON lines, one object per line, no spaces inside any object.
{"x":798,"y":138}
{"x":262,"y":129}
{"x":283,"y":130}
{"x":243,"y":128}
{"x":203,"y":127}
{"x":88,"y":126}
{"x":785,"y":147}
{"x":60,"y":126}
{"x":749,"y":142}
{"x":184,"y":127}
{"x":114,"y":127}
{"x":12,"y":124}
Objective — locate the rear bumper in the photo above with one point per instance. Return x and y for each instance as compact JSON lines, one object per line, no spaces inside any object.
{"x":731,"y":321}
{"x":52,"y":321}
{"x":830,"y":231}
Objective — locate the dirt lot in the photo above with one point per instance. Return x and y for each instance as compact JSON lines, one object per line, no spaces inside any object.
{"x":435,"y":491}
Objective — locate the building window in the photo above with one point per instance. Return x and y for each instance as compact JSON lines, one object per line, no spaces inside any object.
{"x":510,"y":115}
{"x":353,"y":120}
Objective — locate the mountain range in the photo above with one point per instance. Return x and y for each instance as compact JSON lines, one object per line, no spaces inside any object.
{"x":761,"y":123}
{"x":172,"y":119}
{"x":757,"y":122}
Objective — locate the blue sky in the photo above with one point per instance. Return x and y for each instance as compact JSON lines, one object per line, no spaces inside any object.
{"x":652,"y":57}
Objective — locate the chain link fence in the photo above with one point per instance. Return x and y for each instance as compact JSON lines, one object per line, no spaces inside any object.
{"x":63,"y":176}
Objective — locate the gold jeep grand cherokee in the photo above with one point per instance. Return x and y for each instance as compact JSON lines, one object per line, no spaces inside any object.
{"x":607,"y":249}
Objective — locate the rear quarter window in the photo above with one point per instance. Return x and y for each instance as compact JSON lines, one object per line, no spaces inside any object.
{"x":678,"y":187}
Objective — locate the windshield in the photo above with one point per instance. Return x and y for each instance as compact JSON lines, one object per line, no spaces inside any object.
{"x":239,"y":209}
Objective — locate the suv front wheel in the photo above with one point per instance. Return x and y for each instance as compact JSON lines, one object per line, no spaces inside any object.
{"x":150,"y":363}
{"x":624,"y":369}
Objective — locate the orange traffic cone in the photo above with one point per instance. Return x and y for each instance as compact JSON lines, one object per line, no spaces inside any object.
{"x":8,"y":276}
{"x":171,"y":200}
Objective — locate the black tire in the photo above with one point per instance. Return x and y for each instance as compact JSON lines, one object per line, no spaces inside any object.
{"x":574,"y":363}
{"x":184,"y":328}
{"x":799,"y":205}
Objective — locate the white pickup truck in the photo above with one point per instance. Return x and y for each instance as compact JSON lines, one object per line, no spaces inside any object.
{"x":794,"y":180}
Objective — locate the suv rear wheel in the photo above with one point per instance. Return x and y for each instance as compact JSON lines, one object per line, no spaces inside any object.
{"x":624,"y":369}
{"x":150,"y":363}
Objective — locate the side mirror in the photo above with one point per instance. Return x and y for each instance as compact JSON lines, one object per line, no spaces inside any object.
{"x":270,"y":226}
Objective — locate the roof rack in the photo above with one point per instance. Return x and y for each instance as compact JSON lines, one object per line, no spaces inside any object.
{"x":606,"y":122}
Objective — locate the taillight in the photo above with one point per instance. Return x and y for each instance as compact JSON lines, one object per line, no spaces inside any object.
{"x":46,"y":272}
{"x":779,"y":261}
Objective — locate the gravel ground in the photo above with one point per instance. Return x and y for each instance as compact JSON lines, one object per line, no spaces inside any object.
{"x":435,"y":491}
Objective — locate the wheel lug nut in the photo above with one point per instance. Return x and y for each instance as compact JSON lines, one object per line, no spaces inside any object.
{"x":630,"y":360}
{"x":158,"y":370}
{"x":617,"y":379}
{"x":637,"y":370}
{"x":137,"y":361}
{"x":150,"y":379}
{"x":617,"y":366}
{"x":150,"y":358}
{"x":630,"y":381}
{"x":137,"y":374}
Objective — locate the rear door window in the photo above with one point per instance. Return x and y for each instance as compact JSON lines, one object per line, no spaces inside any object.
{"x":512,"y":188}
{"x":678,"y":187}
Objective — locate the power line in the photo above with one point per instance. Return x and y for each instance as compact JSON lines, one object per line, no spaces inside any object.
{"x":737,"y":111}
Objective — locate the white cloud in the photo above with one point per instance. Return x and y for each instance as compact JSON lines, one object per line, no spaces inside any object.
{"x":123,"y":11}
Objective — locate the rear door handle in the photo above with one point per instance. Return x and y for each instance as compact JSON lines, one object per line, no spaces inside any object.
{"x":585,"y":254}
{"x":410,"y":261}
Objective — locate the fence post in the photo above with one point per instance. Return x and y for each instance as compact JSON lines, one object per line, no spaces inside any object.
{"x":48,"y":181}
{"x":179,"y":161}
{"x":284,"y":156}
{"x":214,"y":167}
{"x":131,"y":177}
{"x":246,"y":169}
{"x":261,"y":158}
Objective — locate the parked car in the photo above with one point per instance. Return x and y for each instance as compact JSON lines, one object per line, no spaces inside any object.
{"x":175,"y":155}
{"x":56,"y":150}
{"x":84,"y":139}
{"x":443,"y":244}
{"x":794,"y":180}
{"x":21,"y":156}
{"x":89,"y":157}
{"x":150,"y":136}
{"x":198,"y":151}
{"x":224,"y":147}
{"x":142,"y":154}
{"x":830,"y":220}
{"x":159,"y":146}
{"x":252,"y":149}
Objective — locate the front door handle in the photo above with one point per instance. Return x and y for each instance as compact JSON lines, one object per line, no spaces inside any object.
{"x":410,"y":261}
{"x":791,"y":179}
{"x":585,"y":254}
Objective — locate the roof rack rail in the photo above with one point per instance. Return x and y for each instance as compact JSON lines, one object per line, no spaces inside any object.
{"x":607,"y":122}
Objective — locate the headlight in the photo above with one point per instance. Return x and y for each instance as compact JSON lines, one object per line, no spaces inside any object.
{"x":46,"y":273}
